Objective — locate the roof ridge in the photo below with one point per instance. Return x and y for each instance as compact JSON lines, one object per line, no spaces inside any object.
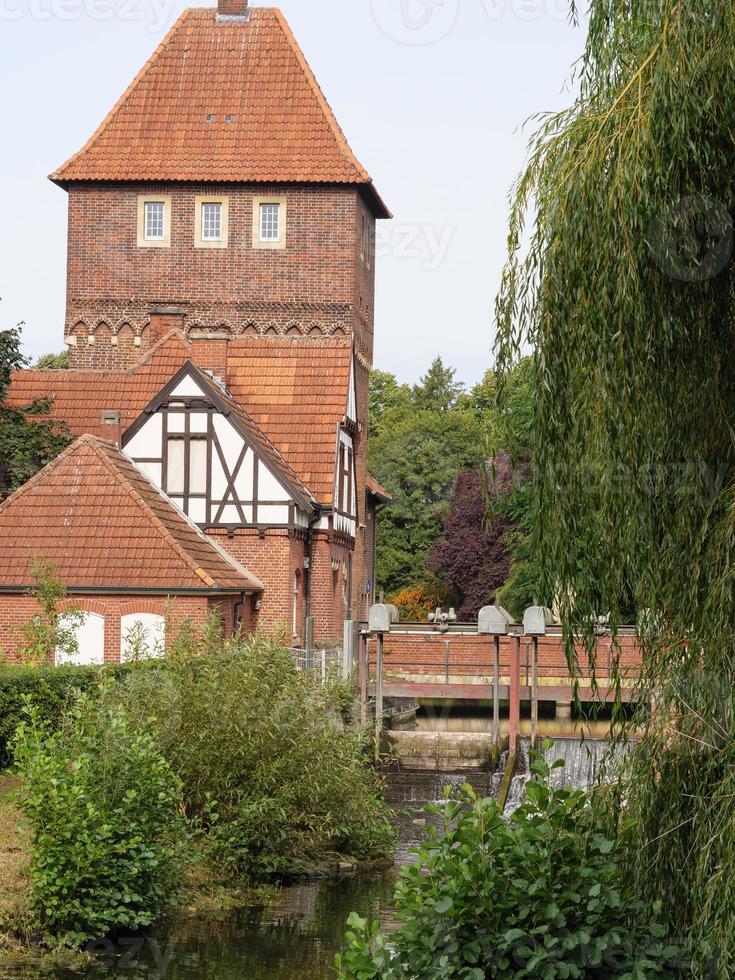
{"x":57,"y":174}
{"x":52,"y":465}
{"x":321,"y":98}
{"x":97,"y":445}
{"x":147,"y":357}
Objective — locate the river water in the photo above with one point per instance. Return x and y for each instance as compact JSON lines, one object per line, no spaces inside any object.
{"x":297,"y":938}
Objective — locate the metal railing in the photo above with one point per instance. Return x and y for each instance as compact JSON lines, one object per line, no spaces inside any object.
{"x":321,"y":664}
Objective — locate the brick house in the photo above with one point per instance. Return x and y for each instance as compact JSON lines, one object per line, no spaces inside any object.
{"x":219,"y":321}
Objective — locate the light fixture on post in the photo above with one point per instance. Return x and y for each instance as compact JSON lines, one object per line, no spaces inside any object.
{"x":535,"y":621}
{"x":494,"y":621}
{"x":380,"y":619}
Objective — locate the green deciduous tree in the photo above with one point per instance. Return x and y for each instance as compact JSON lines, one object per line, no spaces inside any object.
{"x":421,"y":437}
{"x":28,"y":440}
{"x":626,"y":294}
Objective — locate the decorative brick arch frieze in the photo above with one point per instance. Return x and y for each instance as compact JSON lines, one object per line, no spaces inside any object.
{"x":156,"y":607}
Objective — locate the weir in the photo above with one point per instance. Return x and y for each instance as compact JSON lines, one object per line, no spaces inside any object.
{"x":513,"y":685}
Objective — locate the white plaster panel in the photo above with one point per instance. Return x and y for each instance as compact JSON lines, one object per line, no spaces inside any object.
{"x":186,"y":388}
{"x":146,"y":631}
{"x":90,"y":637}
{"x":146,"y":443}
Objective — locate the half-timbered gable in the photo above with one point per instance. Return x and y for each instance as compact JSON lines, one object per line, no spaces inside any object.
{"x":207,"y":455}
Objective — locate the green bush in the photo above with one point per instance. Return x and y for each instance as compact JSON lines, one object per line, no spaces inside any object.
{"x":50,"y":689}
{"x":270,"y":774}
{"x":540,"y":896}
{"x":103,"y":808}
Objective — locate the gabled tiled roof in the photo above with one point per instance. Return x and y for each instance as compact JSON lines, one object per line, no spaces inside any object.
{"x":377,"y":490}
{"x":248,"y":428}
{"x":105,"y":526}
{"x":222,"y":101}
{"x":296,"y":390}
{"x":78,"y":398}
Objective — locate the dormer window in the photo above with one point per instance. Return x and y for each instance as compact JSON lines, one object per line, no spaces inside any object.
{"x":211,"y":223}
{"x":154,"y":221}
{"x":269,"y":222}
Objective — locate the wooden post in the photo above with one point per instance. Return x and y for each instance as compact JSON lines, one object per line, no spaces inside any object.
{"x":496,"y":689}
{"x":534,"y":690}
{"x":514,"y":717}
{"x":350,"y":640}
{"x":378,"y":694}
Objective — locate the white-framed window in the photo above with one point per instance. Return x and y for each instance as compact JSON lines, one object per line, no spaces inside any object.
{"x":142,"y":636}
{"x":89,"y":633}
{"x":154,"y":221}
{"x":155,"y":213}
{"x":211,"y":222}
{"x":270,"y":222}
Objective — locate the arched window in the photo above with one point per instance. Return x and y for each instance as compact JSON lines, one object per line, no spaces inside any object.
{"x":142,"y":636}
{"x":88,"y":630}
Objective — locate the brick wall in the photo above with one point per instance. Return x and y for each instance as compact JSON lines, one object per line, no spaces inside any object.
{"x":321,"y":281}
{"x":416,"y":654}
{"x":15,"y":610}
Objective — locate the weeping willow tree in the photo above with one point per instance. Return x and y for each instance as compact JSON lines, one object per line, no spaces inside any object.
{"x":620,"y":277}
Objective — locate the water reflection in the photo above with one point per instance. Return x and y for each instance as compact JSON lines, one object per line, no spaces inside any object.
{"x":295,"y":940}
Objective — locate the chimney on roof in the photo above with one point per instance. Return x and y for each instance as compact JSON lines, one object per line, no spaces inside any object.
{"x":163,"y":319}
{"x":209,"y":349}
{"x":228,"y":9}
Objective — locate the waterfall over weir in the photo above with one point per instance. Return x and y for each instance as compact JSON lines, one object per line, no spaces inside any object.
{"x":585,"y":762}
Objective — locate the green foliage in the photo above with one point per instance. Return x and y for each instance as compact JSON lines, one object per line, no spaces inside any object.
{"x":626,"y":295}
{"x":539,"y":895}
{"x":52,"y":362}
{"x":103,"y":808}
{"x":270,"y":775}
{"x":27,"y":440}
{"x":49,"y":689}
{"x":420,"y":439}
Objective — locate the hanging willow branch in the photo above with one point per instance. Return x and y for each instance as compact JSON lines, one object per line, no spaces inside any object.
{"x":623,"y":286}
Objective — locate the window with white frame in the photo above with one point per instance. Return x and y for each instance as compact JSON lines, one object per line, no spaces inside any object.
{"x":270,"y":222}
{"x":155,"y":221}
{"x":212,"y":221}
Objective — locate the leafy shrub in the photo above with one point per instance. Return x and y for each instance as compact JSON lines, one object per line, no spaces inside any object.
{"x":269,"y":772}
{"x":103,"y":808}
{"x":49,"y":689}
{"x":415,"y":602}
{"x":541,"y":895}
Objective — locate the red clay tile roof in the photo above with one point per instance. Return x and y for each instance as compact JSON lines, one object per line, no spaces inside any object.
{"x":104,"y":525}
{"x":262,"y":444}
{"x":377,"y":490}
{"x":78,"y":398}
{"x":172,"y":122}
{"x":296,"y":390}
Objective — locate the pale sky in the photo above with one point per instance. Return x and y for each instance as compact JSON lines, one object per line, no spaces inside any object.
{"x":432,"y":95}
